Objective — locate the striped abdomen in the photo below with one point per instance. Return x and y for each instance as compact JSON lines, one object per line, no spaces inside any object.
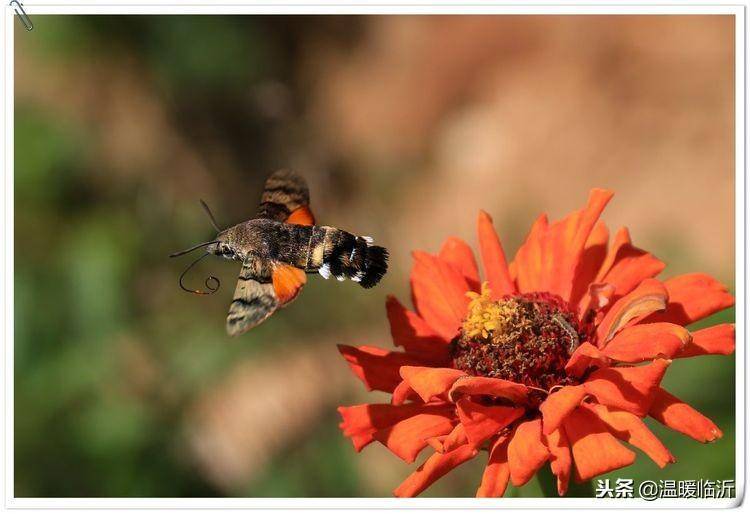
{"x":344,"y":255}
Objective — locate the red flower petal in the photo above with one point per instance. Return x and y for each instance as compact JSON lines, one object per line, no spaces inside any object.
{"x":627,"y":266}
{"x":360,"y":422}
{"x":716,"y":340}
{"x":560,"y":460}
{"x":628,"y":388}
{"x":693,"y":297}
{"x":413,"y":333}
{"x":496,"y":387}
{"x":377,"y":368}
{"x":595,"y":450}
{"x":646,"y":342}
{"x":436,"y":443}
{"x":584,"y":357}
{"x":458,"y":254}
{"x":596,"y":299}
{"x":450,"y":442}
{"x":408,"y":437}
{"x":526,"y":452}
{"x":439,"y":292}
{"x":429,"y":382}
{"x":497,"y":472}
{"x":554,"y":255}
{"x":631,"y":429}
{"x":648,"y":297}
{"x":678,"y":415}
{"x":435,"y":467}
{"x":591,"y":261}
{"x":527,"y":264}
{"x":482,"y":422}
{"x":493,"y":258}
{"x":402,"y":393}
{"x":559,"y":404}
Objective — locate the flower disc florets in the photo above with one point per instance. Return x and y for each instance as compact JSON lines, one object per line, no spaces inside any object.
{"x":526,"y":338}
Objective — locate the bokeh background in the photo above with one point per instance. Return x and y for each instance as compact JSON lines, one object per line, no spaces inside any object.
{"x":404,"y":127}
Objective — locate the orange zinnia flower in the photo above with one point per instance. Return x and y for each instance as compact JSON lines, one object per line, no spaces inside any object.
{"x":555,"y":357}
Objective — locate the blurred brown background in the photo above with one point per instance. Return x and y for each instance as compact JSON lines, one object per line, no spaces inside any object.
{"x":404,"y":127}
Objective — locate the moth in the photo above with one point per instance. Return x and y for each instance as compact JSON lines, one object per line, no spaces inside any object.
{"x":279,"y":247}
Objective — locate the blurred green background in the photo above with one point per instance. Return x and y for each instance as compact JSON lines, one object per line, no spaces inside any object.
{"x":404,"y":127}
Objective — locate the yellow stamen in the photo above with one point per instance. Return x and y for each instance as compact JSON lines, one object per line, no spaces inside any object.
{"x":488,"y":317}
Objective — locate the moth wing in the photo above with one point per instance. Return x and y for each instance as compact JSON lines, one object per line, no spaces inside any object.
{"x":254,"y":299}
{"x":286,"y":198}
{"x":287,"y":282}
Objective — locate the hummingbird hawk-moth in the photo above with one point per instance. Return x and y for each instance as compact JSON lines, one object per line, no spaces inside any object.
{"x":279,"y":247}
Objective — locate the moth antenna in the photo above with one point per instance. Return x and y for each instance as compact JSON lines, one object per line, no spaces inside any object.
{"x":210,"y":215}
{"x":201,"y":245}
{"x":209,"y":279}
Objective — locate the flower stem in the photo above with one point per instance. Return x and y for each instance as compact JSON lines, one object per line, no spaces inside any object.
{"x":548,"y":485}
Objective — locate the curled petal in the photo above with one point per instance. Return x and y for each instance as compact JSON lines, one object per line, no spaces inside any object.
{"x":649,"y":297}
{"x":377,"y":368}
{"x":627,"y":266}
{"x":526,"y":452}
{"x":559,"y":459}
{"x":629,"y":388}
{"x":493,"y":258}
{"x":716,"y":340}
{"x":436,"y":443}
{"x":559,"y":404}
{"x":429,"y":382}
{"x":413,"y":333}
{"x":434,"y":467}
{"x":693,"y":297}
{"x":631,"y":429}
{"x":439,"y":292}
{"x":497,"y":472}
{"x":646,"y":342}
{"x":496,"y":387}
{"x":596,"y":299}
{"x":458,"y":254}
{"x":595,"y":450}
{"x":482,"y":422}
{"x":450,"y":442}
{"x":409,"y":436}
{"x":681,"y":417}
{"x":584,"y":357}
{"x":455,"y":439}
{"x":402,"y":393}
{"x":360,"y":422}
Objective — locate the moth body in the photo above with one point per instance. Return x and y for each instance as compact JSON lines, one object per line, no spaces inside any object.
{"x":281,"y":245}
{"x":310,"y":248}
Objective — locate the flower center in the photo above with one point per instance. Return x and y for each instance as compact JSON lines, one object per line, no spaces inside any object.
{"x":526,"y":338}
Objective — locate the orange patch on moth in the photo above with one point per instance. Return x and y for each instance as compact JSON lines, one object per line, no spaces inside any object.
{"x":301,"y":216}
{"x":287,"y":282}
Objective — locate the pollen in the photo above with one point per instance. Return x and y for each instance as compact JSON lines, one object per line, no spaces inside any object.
{"x":487,"y":317}
{"x":526,"y":338}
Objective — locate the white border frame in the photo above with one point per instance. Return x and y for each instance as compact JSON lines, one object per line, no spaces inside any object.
{"x":9,"y":24}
